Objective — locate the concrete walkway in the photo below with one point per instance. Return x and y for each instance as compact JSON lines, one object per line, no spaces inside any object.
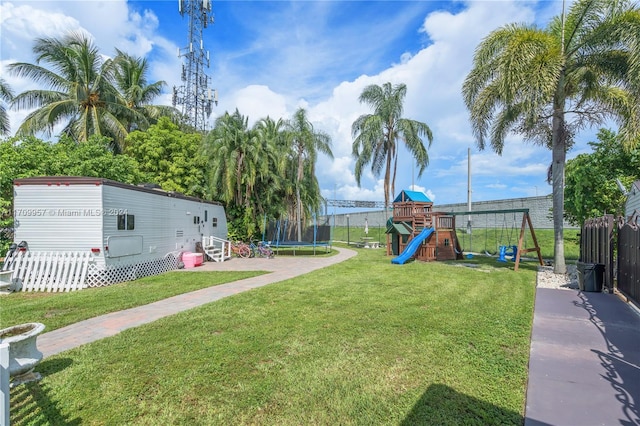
{"x":584,"y":366}
{"x":93,"y":329}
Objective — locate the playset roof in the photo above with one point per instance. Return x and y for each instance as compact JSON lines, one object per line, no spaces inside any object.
{"x":406,"y":195}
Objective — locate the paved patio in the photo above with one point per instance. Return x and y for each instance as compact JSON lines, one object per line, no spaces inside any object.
{"x":584,"y":366}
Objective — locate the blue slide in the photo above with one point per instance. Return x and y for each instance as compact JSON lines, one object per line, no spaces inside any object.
{"x":413,"y":246}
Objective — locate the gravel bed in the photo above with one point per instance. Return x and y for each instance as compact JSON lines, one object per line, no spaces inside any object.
{"x":568,"y":281}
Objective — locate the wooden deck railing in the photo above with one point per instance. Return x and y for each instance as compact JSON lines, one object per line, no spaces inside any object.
{"x":445,"y":221}
{"x":410,"y":210}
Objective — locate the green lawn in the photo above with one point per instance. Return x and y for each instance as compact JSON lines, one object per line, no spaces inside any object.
{"x":359,"y":343}
{"x":56,"y":310}
{"x":482,"y":239}
{"x":490,"y":239}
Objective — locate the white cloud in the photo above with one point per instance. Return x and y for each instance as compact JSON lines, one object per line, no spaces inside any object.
{"x":22,"y":24}
{"x":131,"y":31}
{"x":497,"y":186}
{"x":310,"y":54}
{"x":424,"y":190}
{"x":434,"y":77}
{"x":255,"y":102}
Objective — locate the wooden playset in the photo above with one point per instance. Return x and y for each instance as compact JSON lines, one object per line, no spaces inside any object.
{"x":417,"y":232}
{"x":412,"y":215}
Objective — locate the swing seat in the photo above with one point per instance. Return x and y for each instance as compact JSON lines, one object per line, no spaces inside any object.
{"x":504,"y":252}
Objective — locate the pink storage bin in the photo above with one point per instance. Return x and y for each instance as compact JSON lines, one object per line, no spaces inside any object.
{"x":188,"y":259}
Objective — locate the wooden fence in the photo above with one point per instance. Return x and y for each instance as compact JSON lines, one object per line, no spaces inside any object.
{"x":629,"y":257}
{"x":596,"y":245}
{"x":598,"y":241}
{"x":49,"y":271}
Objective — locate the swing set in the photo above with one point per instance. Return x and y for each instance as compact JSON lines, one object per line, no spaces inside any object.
{"x":503,"y":249}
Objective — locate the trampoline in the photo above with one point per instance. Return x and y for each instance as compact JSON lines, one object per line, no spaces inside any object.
{"x":313,"y":237}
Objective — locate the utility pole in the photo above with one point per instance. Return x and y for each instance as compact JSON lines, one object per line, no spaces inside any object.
{"x":194,"y":95}
{"x":469,"y":189}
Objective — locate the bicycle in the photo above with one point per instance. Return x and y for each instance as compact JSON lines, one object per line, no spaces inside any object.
{"x":241,"y":249}
{"x":262,"y":249}
{"x":265,"y":248}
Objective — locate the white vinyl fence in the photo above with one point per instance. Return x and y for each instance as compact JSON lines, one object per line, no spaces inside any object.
{"x":49,"y":271}
{"x":4,"y":384}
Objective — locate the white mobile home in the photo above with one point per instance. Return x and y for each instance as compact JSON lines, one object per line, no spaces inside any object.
{"x":633,"y":200}
{"x":130,"y":231}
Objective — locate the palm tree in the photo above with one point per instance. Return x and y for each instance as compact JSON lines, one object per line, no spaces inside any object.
{"x":248,"y":168}
{"x":376,"y":135}
{"x":80,"y":93}
{"x":229,"y":149}
{"x":6,"y":95}
{"x":305,"y":143}
{"x":546,"y":84}
{"x":130,"y":76}
{"x":269,"y":136}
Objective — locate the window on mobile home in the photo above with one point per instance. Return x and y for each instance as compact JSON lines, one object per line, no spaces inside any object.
{"x":126,"y":221}
{"x":214,"y":222}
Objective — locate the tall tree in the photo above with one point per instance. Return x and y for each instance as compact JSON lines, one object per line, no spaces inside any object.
{"x":6,"y":95}
{"x":306,"y":142}
{"x":246,"y":169}
{"x":131,"y":79}
{"x":169,"y":157}
{"x":591,"y":189}
{"x":377,"y":135}
{"x":79,"y":92}
{"x":229,"y":148}
{"x":268,"y":194}
{"x":546,"y":84}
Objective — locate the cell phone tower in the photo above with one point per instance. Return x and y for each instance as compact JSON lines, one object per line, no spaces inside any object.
{"x":195,"y":96}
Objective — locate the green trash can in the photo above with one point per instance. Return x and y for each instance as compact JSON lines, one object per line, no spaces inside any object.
{"x":590,"y":276}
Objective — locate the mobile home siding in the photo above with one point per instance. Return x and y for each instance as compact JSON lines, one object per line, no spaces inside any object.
{"x":633,"y":200}
{"x":131,"y":231}
{"x":165,"y":224}
{"x":58,"y":217}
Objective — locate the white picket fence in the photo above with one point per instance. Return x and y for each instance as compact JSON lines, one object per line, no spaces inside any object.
{"x":49,"y":271}
{"x":4,"y":384}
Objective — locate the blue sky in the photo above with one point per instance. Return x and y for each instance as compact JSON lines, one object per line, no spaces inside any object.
{"x":272,"y":57}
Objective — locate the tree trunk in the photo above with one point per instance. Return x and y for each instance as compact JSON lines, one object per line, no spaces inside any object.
{"x":386,"y":199}
{"x":238,"y":195}
{"x":298,"y":200}
{"x":557,"y":170}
